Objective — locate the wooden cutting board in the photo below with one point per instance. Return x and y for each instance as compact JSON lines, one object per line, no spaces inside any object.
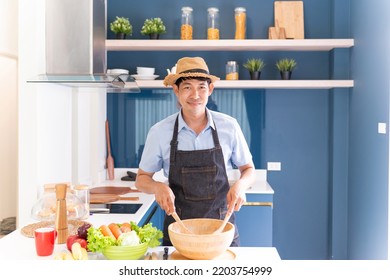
{"x":289,"y":14}
{"x":112,"y":190}
{"x":108,"y":198}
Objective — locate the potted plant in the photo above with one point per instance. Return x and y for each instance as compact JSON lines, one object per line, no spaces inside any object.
{"x":254,"y":66}
{"x":285,"y":67}
{"x":121,"y":26}
{"x":153,"y":27}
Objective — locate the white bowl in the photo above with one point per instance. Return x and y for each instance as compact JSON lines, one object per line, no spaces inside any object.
{"x":117,"y":71}
{"x":145,"y":71}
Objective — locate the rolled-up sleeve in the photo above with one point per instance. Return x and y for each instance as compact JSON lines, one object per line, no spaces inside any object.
{"x":241,"y":154}
{"x":151,"y":160}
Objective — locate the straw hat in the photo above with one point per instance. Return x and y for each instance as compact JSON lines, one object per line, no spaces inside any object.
{"x":190,"y":67}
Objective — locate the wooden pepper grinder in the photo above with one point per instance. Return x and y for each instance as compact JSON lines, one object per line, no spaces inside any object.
{"x":61,"y":214}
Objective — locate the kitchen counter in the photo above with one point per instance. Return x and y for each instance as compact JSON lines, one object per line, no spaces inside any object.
{"x":260,"y":186}
{"x":16,"y":246}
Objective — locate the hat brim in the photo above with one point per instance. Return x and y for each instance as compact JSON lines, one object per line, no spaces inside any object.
{"x":172,"y":78}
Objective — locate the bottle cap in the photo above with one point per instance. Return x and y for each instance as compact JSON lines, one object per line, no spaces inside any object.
{"x":240,"y":10}
{"x":213,"y":10}
{"x":186,"y":9}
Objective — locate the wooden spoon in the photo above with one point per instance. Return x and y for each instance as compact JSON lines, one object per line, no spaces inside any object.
{"x":110,"y":159}
{"x":180,"y":222}
{"x":227,"y":217}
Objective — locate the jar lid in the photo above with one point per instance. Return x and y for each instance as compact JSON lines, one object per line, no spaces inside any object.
{"x":52,"y":187}
{"x":231,"y":62}
{"x":81,"y":187}
{"x":186,"y":9}
{"x":240,"y":10}
{"x":213,"y":10}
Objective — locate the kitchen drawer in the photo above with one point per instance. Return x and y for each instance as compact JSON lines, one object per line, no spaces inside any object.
{"x":254,"y":221}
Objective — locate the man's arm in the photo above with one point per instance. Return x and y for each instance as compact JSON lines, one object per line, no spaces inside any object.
{"x":236,"y":195}
{"x":162,"y":192}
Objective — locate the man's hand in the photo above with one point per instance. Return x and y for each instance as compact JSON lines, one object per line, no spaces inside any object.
{"x":165,"y":198}
{"x":236,"y":196}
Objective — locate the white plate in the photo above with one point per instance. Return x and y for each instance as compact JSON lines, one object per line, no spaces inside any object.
{"x":117,"y":71}
{"x":141,"y":77}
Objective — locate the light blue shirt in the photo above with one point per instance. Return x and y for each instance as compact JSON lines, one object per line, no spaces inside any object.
{"x":156,"y":153}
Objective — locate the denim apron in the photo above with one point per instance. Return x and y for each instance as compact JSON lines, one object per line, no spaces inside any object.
{"x":199,"y":181}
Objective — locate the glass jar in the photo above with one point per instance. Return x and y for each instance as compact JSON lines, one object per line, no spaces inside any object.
{"x":213,"y":24}
{"x":186,"y":29}
{"x":231,"y":70}
{"x":240,"y":18}
{"x":82,"y":192}
{"x":45,"y":209}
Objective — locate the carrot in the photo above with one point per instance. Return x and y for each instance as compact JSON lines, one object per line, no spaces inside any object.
{"x":125,"y":227}
{"x":115,"y":230}
{"x":106,"y":231}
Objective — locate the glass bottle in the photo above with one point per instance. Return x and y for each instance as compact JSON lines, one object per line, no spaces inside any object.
{"x":231,"y":70}
{"x":82,"y":192}
{"x":240,"y":19}
{"x":213,"y":24}
{"x":186,"y":29}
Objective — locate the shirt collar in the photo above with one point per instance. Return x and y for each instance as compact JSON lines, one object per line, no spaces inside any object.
{"x":182,"y":123}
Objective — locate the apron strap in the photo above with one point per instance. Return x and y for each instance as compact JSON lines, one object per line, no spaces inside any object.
{"x":174,"y":143}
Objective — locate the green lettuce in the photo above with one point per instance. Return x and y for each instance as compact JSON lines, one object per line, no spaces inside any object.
{"x":97,"y":242}
{"x":148,"y":234}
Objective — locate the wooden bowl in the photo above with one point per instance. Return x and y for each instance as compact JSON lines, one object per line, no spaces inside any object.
{"x":202,"y":244}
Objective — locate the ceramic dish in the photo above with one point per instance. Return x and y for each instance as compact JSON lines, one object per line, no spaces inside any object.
{"x":144,"y":77}
{"x":117,"y":71}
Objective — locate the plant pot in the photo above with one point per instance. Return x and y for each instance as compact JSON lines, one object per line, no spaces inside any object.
{"x":120,"y":35}
{"x":255,"y":75}
{"x":154,"y":36}
{"x":285,"y":75}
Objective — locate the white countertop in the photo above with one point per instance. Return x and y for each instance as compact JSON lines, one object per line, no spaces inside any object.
{"x":16,"y":246}
{"x":260,"y":186}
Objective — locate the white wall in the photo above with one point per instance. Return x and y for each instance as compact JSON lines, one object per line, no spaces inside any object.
{"x":61,"y":129}
{"x":8,"y":107}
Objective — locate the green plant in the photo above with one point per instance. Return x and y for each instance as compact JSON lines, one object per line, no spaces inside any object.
{"x":153,"y":26}
{"x":286,"y":64}
{"x":254,"y":64}
{"x":121,"y":25}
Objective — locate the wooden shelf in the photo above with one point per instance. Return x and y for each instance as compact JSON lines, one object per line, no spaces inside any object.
{"x":228,"y":45}
{"x":264,"y":84}
{"x":241,"y":45}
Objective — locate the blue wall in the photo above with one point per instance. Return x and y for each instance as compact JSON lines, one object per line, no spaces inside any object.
{"x":368,"y":153}
{"x":306,"y":130}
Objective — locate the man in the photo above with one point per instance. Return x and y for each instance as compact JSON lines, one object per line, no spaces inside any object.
{"x":195,"y":147}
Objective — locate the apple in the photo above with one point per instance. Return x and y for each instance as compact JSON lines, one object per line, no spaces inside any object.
{"x":70,"y":240}
{"x":82,"y":242}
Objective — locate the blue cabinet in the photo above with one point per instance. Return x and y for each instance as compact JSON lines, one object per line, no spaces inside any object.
{"x":154,"y":215}
{"x":254,"y":221}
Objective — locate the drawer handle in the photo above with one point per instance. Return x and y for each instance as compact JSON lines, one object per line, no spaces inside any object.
{"x":258,"y":204}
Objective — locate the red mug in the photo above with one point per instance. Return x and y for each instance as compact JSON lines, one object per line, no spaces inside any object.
{"x":44,"y":241}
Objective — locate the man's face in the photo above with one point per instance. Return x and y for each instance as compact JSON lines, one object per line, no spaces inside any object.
{"x":193,"y":95}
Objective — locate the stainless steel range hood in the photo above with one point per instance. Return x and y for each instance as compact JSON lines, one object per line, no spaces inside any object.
{"x":75,"y":47}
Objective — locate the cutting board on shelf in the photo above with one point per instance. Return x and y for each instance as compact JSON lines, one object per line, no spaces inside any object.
{"x":289,"y":15}
{"x":112,"y":190}
{"x":108,"y":198}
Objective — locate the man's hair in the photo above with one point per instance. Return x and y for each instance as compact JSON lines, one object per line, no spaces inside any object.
{"x":181,"y":79}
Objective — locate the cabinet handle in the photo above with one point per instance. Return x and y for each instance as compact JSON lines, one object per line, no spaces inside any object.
{"x":258,"y":204}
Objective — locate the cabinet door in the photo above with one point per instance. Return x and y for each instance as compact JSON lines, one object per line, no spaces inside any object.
{"x":155,"y":215}
{"x":254,"y":222}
